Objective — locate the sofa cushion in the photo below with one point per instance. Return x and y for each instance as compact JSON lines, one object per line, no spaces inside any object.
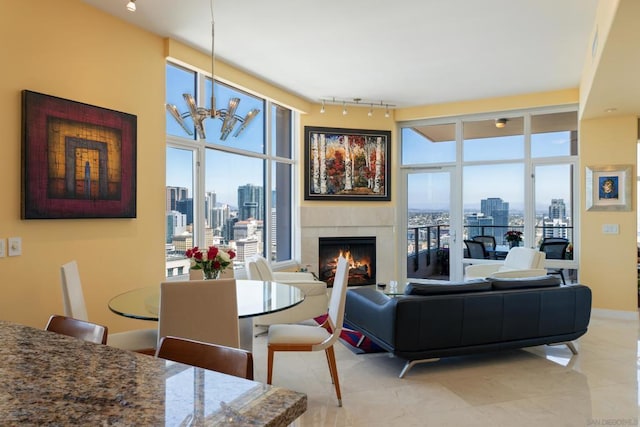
{"x":524,"y":282}
{"x":447,"y":287}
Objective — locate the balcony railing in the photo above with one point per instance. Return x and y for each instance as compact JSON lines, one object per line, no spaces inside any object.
{"x":428,"y":246}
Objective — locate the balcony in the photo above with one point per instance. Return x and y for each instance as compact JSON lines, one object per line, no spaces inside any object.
{"x":428,"y":246}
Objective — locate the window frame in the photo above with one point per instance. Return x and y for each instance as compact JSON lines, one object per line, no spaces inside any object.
{"x":199,"y":146}
{"x":459,"y":164}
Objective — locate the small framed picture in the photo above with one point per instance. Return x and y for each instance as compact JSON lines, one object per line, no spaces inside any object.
{"x":608,"y":188}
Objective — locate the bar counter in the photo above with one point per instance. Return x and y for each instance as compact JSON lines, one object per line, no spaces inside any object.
{"x":52,"y":379}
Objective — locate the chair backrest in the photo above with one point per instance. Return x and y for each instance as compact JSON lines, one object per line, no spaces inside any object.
{"x":554,"y":239}
{"x":228,"y":360}
{"x":520,"y":258}
{"x":338,"y":297}
{"x":72,"y":295}
{"x":201,"y":310}
{"x":81,"y":329}
{"x":488,"y":241}
{"x":554,"y":250}
{"x":258,"y":268}
{"x":476,"y":249}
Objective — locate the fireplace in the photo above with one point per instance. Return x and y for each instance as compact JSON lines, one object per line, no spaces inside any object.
{"x":360,"y":252}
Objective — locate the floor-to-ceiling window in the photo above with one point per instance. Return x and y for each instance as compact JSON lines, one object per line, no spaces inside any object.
{"x":230,"y":183}
{"x":507,"y":172}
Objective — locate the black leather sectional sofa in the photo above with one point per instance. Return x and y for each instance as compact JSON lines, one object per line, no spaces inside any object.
{"x":447,"y":319}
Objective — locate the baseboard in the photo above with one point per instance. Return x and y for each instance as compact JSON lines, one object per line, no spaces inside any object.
{"x":615,"y":314}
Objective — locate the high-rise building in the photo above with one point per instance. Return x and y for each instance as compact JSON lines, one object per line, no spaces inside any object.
{"x":209,"y":206}
{"x":557,"y":209}
{"x":250,"y":202}
{"x":496,"y":208}
{"x":185,"y":206}
{"x":176,"y":224}
{"x":476,"y":223}
{"x":174,"y":194}
{"x":219,"y":217}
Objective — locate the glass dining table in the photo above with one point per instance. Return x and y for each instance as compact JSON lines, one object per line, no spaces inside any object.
{"x":255,"y":298}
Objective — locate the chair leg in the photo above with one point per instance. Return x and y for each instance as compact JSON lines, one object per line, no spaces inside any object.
{"x":331,"y":356}
{"x":326,"y":353}
{"x":269,"y":364}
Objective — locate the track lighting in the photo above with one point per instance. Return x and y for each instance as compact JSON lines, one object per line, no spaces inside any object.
{"x":356,"y":102}
{"x":131,"y":6}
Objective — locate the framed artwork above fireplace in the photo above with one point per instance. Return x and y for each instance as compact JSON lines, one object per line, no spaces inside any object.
{"x":347,"y":164}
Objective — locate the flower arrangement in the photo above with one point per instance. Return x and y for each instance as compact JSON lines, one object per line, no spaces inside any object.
{"x":513,"y":236}
{"x":211,"y":262}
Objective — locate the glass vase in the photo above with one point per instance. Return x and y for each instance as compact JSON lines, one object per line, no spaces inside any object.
{"x":213,"y":274}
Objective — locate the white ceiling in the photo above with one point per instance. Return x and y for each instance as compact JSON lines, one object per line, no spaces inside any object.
{"x":405,"y":52}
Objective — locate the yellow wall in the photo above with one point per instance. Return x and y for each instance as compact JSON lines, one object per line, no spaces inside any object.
{"x":70,"y":50}
{"x":608,"y":262}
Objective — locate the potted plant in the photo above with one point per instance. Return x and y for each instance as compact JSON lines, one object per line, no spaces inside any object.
{"x":514,"y":237}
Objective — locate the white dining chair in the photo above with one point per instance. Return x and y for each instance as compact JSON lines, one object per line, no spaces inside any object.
{"x":200,"y":310}
{"x":142,"y":340}
{"x":314,"y":338}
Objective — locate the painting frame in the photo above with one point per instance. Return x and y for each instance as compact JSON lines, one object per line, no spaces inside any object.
{"x":608,"y":188}
{"x":360,"y":170}
{"x":78,"y":160}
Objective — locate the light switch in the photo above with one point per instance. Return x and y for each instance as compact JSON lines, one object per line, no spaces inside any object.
{"x":3,"y":248}
{"x":15,"y":246}
{"x":610,"y":229}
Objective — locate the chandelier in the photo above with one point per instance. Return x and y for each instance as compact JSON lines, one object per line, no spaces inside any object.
{"x":198,"y":114}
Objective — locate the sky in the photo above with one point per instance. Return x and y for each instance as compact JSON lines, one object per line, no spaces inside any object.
{"x":429,"y":189}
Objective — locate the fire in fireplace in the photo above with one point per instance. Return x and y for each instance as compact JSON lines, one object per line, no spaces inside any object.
{"x":360,"y":252}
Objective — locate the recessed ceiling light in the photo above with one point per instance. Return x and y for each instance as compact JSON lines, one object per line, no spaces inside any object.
{"x":610,"y":110}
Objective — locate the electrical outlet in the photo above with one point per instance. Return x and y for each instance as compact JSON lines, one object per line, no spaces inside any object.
{"x":3,"y":248}
{"x":15,"y":246}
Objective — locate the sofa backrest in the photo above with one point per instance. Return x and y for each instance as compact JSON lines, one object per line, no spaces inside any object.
{"x":481,"y":285}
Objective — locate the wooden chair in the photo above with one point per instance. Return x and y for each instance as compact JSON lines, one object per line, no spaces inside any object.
{"x":314,"y":338}
{"x":201,"y":310}
{"x":228,"y":360}
{"x":141,"y":340}
{"x":81,"y":329}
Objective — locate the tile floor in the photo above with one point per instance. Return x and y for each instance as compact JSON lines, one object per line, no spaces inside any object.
{"x":539,"y":386}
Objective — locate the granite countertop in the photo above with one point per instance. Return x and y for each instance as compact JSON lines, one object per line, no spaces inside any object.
{"x":47,"y":378}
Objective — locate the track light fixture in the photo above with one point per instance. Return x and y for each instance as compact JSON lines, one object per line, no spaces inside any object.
{"x":199,"y":114}
{"x":131,"y":6}
{"x":500,"y":123}
{"x":356,"y":102}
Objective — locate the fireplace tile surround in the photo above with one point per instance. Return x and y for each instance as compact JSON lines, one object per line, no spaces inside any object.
{"x":351,"y":221}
